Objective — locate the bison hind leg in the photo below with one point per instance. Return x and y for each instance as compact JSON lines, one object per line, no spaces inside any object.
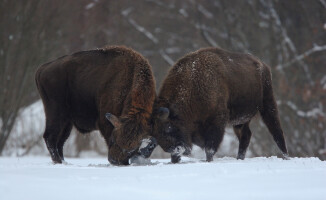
{"x":244,"y":135}
{"x":51,"y":137}
{"x":65,"y":133}
{"x":56,"y":132}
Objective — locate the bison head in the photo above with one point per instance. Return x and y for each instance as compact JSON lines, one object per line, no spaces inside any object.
{"x":168,"y":131}
{"x":129,"y":138}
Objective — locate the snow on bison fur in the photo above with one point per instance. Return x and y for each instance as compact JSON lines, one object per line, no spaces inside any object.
{"x":208,"y":89}
{"x":110,"y":89}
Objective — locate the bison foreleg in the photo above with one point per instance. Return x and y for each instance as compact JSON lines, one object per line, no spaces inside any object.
{"x":176,"y":154}
{"x":213,"y":138}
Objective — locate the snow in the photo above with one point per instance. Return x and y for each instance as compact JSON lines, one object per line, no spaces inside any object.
{"x":225,"y":178}
{"x":89,"y":6}
{"x":139,"y":160}
{"x":172,"y":50}
{"x":127,"y":11}
{"x":183,"y":12}
{"x":314,"y":113}
{"x":323,"y":2}
{"x":323,"y":82}
{"x":205,"y":12}
{"x":33,"y":113}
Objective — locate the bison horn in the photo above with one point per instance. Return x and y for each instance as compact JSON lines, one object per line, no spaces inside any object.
{"x":113,"y":119}
{"x":163,"y":113}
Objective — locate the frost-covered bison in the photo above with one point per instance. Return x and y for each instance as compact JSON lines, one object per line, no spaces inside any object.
{"x":208,"y":89}
{"x":110,"y":89}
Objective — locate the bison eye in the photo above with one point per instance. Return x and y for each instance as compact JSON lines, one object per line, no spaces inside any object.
{"x":168,"y":128}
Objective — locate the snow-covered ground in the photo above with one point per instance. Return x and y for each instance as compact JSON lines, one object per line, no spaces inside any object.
{"x":225,"y":178}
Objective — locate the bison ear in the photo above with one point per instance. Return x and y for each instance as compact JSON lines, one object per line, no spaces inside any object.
{"x":163,"y":113}
{"x":113,"y":119}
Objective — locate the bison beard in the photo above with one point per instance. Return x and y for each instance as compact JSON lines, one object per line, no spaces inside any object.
{"x":208,"y":89}
{"x":110,"y":89}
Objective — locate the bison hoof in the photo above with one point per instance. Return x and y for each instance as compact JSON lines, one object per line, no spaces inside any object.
{"x":241,"y":157}
{"x":175,"y":158}
{"x":57,"y":161}
{"x":209,"y":154}
{"x":210,"y":159}
{"x":285,"y":156}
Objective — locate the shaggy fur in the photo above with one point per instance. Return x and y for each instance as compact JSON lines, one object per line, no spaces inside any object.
{"x":79,"y":89}
{"x":208,"y":89}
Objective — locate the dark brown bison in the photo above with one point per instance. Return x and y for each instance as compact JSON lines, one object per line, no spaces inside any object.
{"x":208,"y":89}
{"x":90,"y":88}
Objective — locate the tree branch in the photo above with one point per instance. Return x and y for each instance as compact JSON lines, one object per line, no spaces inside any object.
{"x":166,"y":58}
{"x":287,"y":40}
{"x":300,"y":57}
{"x":139,"y":28}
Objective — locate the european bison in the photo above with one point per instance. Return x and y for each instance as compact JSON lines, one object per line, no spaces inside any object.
{"x":90,"y":88}
{"x":208,"y":89}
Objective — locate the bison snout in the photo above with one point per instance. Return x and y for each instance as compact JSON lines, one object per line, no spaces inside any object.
{"x":112,"y":161}
{"x":116,"y":162}
{"x":180,"y":150}
{"x":147,"y":146}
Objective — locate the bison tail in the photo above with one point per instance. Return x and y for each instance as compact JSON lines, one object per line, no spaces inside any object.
{"x":269,"y":112}
{"x":39,"y":84}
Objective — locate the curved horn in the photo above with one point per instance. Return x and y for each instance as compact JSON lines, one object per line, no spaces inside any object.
{"x":113,"y":119}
